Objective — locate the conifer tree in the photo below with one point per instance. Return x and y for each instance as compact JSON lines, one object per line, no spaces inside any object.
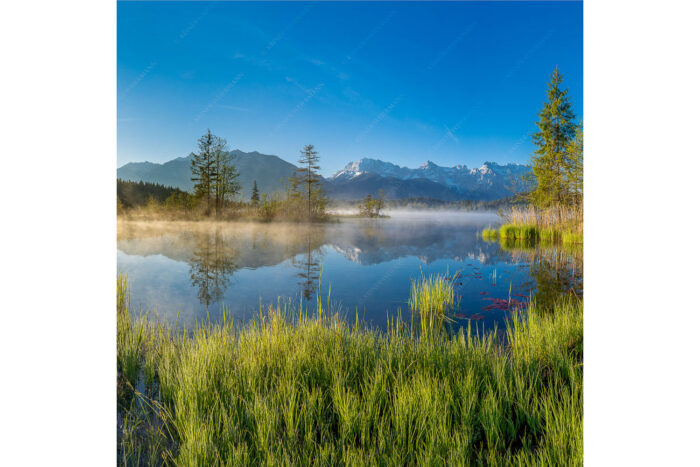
{"x":213,"y":172}
{"x":308,"y":176}
{"x":255,"y":197}
{"x":556,"y":129}
{"x":202,"y":167}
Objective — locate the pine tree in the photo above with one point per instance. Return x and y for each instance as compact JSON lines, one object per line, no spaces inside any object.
{"x":308,"y":176}
{"x":202,"y":167}
{"x":255,"y":197}
{"x":550,"y":163}
{"x":213,"y":172}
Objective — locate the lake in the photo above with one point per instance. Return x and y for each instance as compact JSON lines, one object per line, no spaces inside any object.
{"x":189,"y":270}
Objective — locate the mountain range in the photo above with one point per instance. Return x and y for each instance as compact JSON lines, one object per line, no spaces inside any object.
{"x":267,"y":171}
{"x":489,"y":182}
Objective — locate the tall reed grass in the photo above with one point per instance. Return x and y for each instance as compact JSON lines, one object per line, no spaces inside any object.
{"x":290,"y":390}
{"x":432,"y":299}
{"x":560,"y":218}
{"x":489,"y":233}
{"x":529,"y":224}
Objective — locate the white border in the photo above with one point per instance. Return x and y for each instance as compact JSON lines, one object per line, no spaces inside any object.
{"x":59,"y":158}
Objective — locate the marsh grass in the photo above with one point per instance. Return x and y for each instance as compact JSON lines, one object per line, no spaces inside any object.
{"x":553,"y":225}
{"x":432,"y":299}
{"x":559,"y":218}
{"x":529,"y":224}
{"x":572,"y":238}
{"x":489,"y":233}
{"x":525,"y":232}
{"x":529,"y":233}
{"x":289,"y":389}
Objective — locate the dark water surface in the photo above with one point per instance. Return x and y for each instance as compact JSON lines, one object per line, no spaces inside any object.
{"x":189,"y":267}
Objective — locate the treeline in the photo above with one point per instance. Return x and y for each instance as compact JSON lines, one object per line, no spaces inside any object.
{"x":217,"y":191}
{"x":131,"y":194}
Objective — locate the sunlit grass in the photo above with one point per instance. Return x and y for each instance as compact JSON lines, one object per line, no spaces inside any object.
{"x":287,"y":389}
{"x":533,"y":226}
{"x":572,"y":237}
{"x":432,"y":299}
{"x":519,"y":232}
{"x":559,"y":218}
{"x":489,"y":233}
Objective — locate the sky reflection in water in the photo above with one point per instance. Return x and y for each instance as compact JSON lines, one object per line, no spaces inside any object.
{"x":187,"y":268}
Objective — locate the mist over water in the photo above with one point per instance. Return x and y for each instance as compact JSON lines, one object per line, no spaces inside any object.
{"x":194,"y":267}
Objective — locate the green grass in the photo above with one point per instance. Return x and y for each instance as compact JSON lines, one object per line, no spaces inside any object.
{"x":489,"y":233}
{"x":519,"y":231}
{"x":288,"y":389}
{"x":432,"y":299}
{"x":572,"y":237}
{"x":531,"y":233}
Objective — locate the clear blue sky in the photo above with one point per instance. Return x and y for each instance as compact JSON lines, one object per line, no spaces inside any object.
{"x":454,"y":83}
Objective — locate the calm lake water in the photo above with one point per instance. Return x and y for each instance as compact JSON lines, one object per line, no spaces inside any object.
{"x":187,"y":268}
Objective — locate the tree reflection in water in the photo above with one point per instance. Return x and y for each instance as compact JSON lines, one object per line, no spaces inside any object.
{"x":555,"y":270}
{"x":309,"y":262}
{"x":213,"y":262}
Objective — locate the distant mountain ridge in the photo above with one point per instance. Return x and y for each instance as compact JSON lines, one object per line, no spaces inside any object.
{"x":488,"y":182}
{"x":357,"y":179}
{"x":268,"y":171}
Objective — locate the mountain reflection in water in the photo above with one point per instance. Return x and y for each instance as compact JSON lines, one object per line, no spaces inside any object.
{"x":195,"y":268}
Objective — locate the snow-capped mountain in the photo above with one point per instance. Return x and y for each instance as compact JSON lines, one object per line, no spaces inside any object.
{"x":490,"y":181}
{"x":357,"y":179}
{"x":374,"y":166}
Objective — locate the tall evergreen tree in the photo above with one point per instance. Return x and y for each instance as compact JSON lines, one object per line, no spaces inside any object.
{"x":202,"y":166}
{"x":556,"y":129}
{"x":213,"y":172}
{"x":309,"y":177}
{"x":255,"y":196}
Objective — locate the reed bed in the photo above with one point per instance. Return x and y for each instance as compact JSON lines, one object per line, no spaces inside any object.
{"x":553,"y":225}
{"x":289,"y":389}
{"x":560,"y":219}
{"x":490,"y":234}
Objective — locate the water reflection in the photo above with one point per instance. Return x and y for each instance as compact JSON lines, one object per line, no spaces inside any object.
{"x":309,"y":262}
{"x":212,"y":264}
{"x":190,"y":268}
{"x":555,"y":270}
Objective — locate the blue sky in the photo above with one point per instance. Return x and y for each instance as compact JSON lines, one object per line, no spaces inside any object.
{"x":454,"y":83}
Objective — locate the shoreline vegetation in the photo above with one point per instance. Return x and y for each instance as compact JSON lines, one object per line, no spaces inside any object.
{"x":155,"y":202}
{"x":294,"y":387}
{"x":555,"y":198}
{"x":151,"y":201}
{"x":532,"y":225}
{"x":217,"y":188}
